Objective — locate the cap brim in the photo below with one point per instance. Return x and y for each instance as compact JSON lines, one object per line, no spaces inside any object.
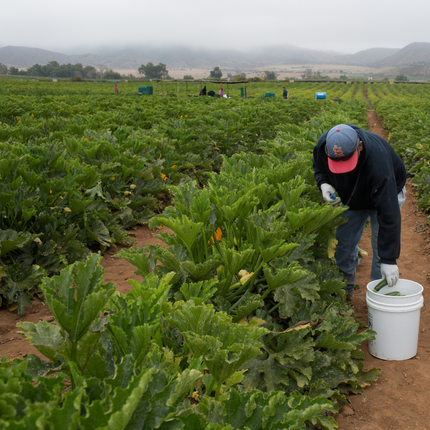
{"x":343,"y":166}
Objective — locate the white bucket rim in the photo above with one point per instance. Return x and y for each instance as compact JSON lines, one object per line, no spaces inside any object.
{"x":370,"y":289}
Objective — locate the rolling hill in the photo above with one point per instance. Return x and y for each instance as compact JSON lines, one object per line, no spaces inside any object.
{"x":367,"y":57}
{"x":414,"y":53}
{"x":183,"y":57}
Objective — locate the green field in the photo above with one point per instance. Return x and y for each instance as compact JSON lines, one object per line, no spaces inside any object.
{"x":244,"y":324}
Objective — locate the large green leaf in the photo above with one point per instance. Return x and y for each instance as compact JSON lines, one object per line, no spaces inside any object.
{"x":138,"y":258}
{"x":184,"y":228}
{"x":287,"y":359}
{"x":257,"y":410}
{"x":77,"y":295}
{"x":46,"y":337}
{"x":290,"y":296}
{"x":11,"y":240}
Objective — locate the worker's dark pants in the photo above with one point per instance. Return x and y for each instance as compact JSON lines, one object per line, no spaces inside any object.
{"x":349,"y":234}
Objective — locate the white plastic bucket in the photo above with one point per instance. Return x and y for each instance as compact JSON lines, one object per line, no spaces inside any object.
{"x":396,"y":319}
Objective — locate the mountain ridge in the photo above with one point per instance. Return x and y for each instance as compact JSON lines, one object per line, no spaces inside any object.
{"x":183,"y":57}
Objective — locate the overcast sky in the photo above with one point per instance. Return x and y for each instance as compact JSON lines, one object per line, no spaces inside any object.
{"x":345,"y":26}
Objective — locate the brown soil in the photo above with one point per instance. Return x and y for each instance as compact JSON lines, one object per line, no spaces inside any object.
{"x":400,"y":399}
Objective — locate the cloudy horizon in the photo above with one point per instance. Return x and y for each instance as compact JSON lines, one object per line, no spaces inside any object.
{"x":333,"y":26}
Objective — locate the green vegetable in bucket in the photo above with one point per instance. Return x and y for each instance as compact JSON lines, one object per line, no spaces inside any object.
{"x":382,"y":284}
{"x":394,"y":293}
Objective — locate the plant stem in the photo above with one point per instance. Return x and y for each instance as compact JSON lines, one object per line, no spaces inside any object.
{"x":205,"y":243}
{"x":218,"y":391}
{"x":210,"y":387}
{"x":274,"y":307}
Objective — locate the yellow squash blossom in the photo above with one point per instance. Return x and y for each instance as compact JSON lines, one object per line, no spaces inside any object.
{"x":244,"y":277}
{"x":218,"y":235}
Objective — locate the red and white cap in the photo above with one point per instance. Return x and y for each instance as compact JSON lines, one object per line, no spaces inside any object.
{"x":342,"y":148}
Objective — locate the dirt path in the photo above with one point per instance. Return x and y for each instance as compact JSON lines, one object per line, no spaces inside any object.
{"x":401,"y":397}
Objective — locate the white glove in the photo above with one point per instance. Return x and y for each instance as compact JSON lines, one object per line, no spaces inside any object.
{"x":390,"y":272}
{"x":327,"y":192}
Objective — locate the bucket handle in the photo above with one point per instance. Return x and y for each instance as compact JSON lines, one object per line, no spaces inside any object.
{"x":424,"y":306}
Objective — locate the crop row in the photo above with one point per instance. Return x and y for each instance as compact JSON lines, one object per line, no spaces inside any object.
{"x":243,"y":325}
{"x":78,"y":171}
{"x":408,"y":125}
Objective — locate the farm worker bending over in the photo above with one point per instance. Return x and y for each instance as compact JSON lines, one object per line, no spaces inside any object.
{"x":369,"y":178}
{"x":284,"y":93}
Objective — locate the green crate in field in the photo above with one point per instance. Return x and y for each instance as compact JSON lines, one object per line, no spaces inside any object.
{"x":146,"y":90}
{"x":269,"y":94}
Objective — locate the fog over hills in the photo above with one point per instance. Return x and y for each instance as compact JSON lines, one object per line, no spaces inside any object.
{"x":414,"y":53}
{"x":184,"y":57}
{"x":368,"y":57}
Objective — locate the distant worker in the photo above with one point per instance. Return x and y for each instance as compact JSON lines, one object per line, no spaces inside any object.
{"x":284,"y":93}
{"x":221,"y":92}
{"x":370,"y":179}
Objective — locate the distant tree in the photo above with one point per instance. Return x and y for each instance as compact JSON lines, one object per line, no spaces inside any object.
{"x":269,"y":76}
{"x":35,"y":70}
{"x":90,"y":72}
{"x":101,"y":68}
{"x":343,"y":77}
{"x":216,"y":73}
{"x":239,"y":77}
{"x":110,"y":74}
{"x":401,"y":77}
{"x":14,"y":71}
{"x":154,"y":72}
{"x":385,"y":79}
{"x":255,"y":79}
{"x":187,"y":77}
{"x":3,"y":69}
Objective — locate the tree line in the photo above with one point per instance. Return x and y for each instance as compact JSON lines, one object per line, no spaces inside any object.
{"x":55,"y":70}
{"x":150,"y":71}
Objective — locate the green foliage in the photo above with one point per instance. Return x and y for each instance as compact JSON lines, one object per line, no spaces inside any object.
{"x":55,"y":70}
{"x":269,"y":76}
{"x":239,"y":323}
{"x":150,"y":71}
{"x":216,"y":73}
{"x":401,"y":77}
{"x":408,"y":126}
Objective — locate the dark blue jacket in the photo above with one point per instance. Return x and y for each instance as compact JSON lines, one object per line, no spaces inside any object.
{"x":373,"y":185}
